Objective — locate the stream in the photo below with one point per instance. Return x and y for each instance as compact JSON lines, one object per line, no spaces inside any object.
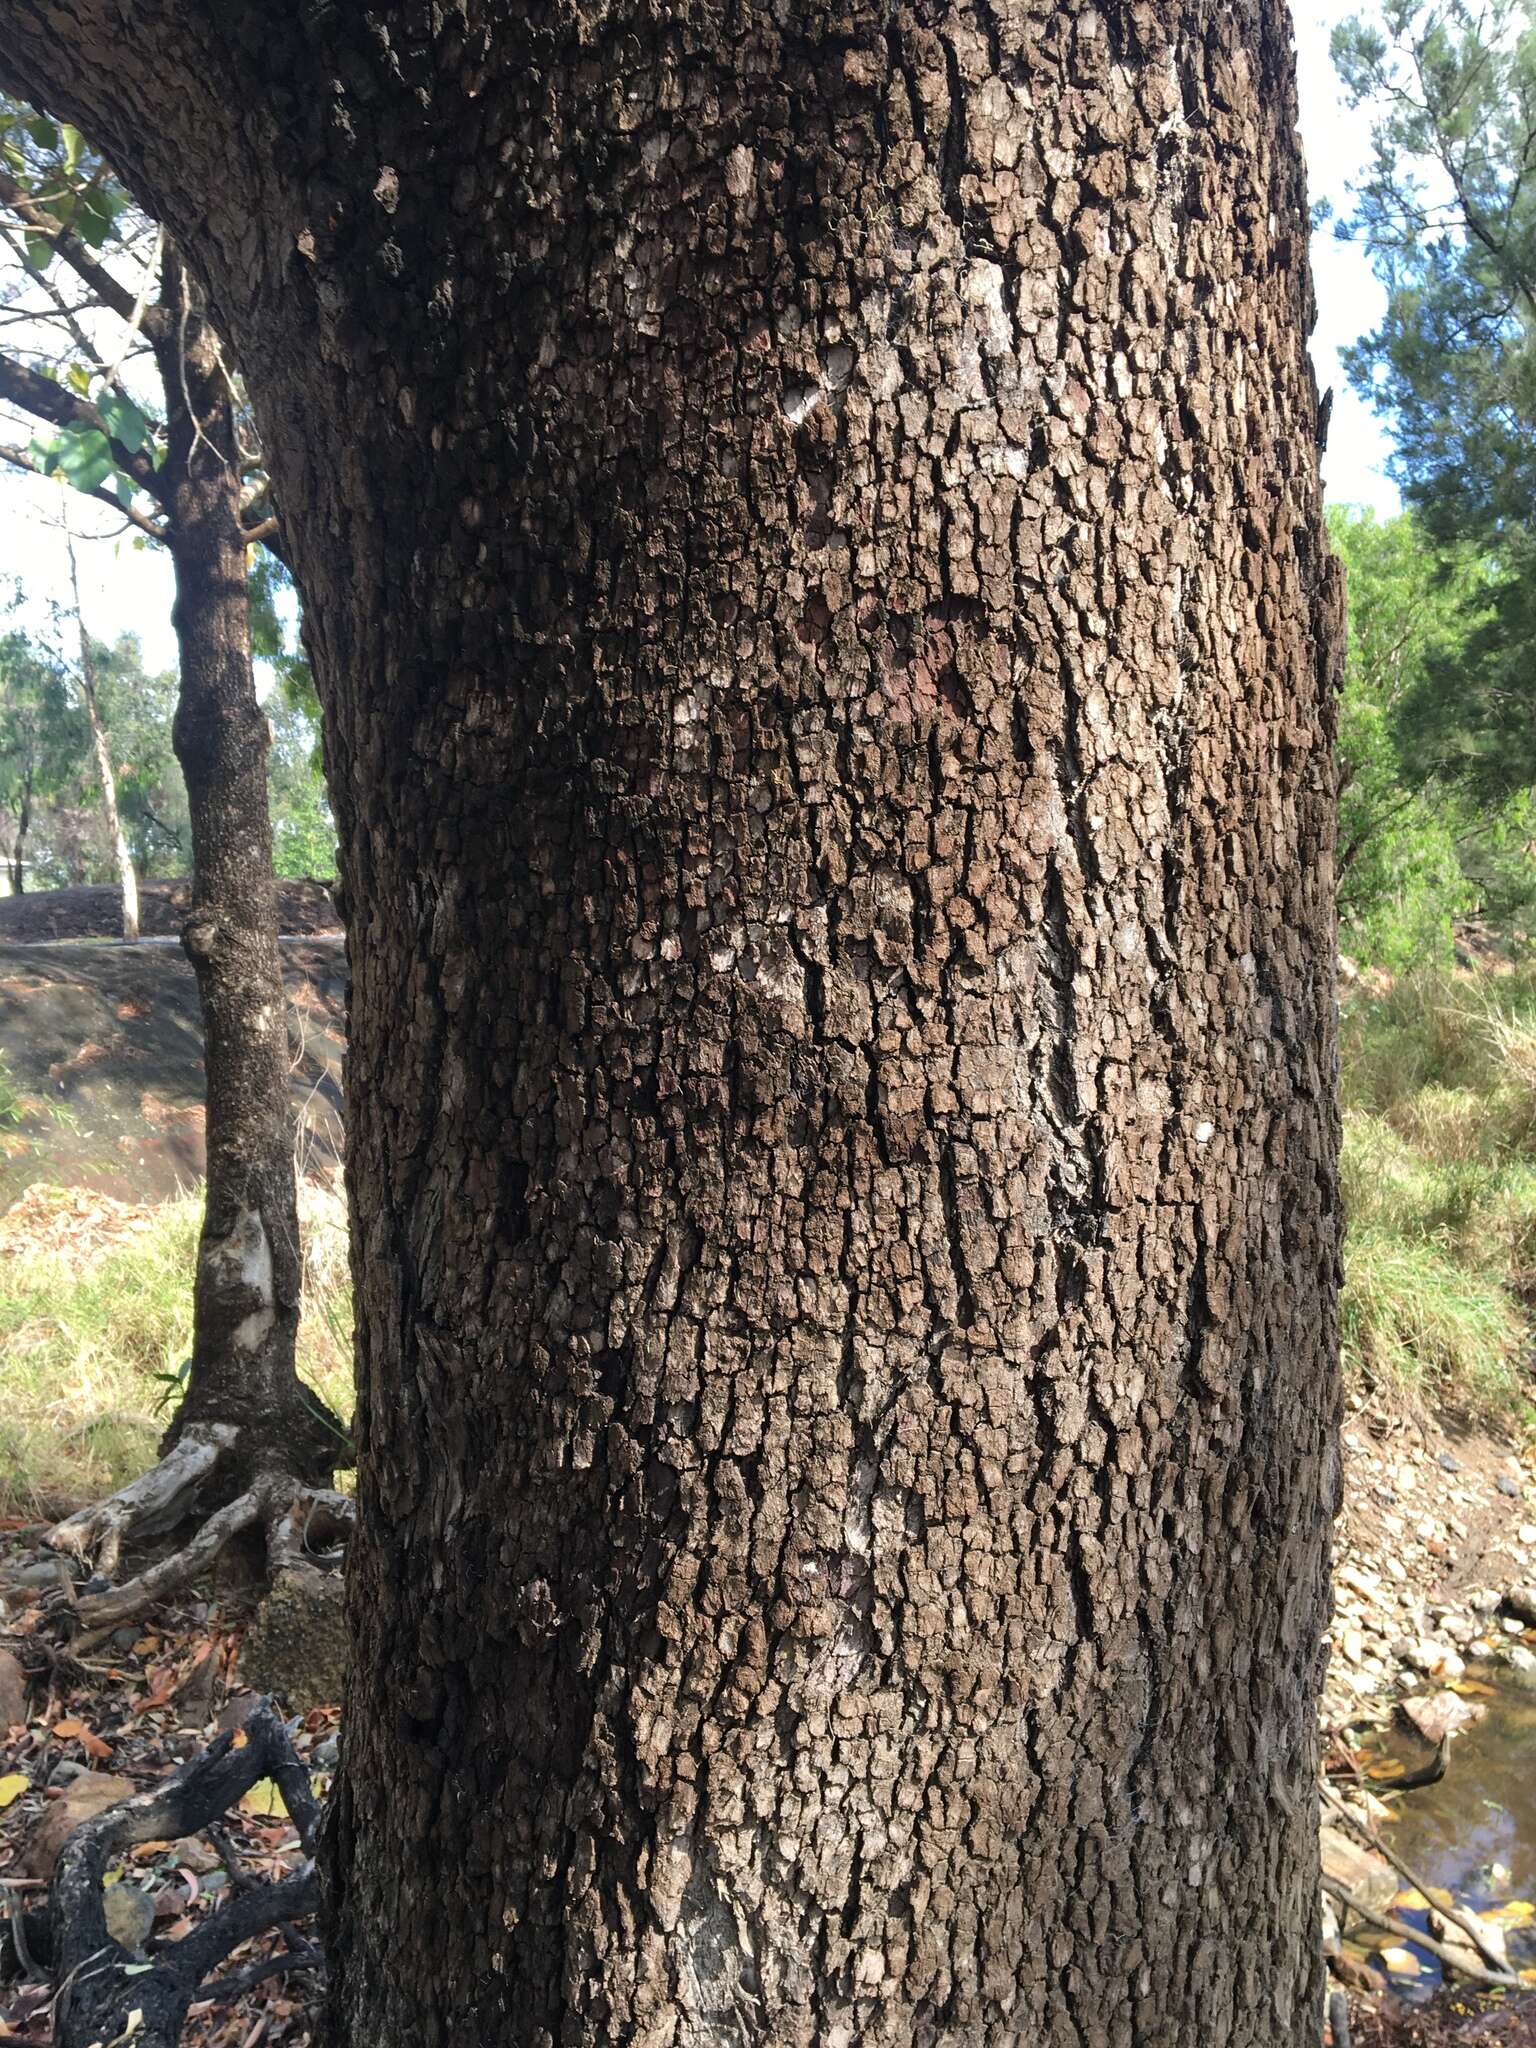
{"x":1473,"y":1834}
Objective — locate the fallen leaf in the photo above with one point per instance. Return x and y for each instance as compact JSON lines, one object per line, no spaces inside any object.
{"x":1516,"y":1913}
{"x":264,"y":1798}
{"x":94,"y":1745}
{"x":11,"y":1788}
{"x":67,"y":1729}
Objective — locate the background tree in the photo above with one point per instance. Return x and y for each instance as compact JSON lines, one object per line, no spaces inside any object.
{"x":1447,"y":211}
{"x":42,"y":743}
{"x":811,"y":553}
{"x":186,"y":477}
{"x":1418,"y":847}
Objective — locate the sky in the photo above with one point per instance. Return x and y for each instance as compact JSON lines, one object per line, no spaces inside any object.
{"x":128,"y":588}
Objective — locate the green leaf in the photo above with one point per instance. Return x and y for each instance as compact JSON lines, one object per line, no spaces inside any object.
{"x":39,"y":252}
{"x":96,"y":216}
{"x":78,"y":378}
{"x":42,"y":131}
{"x":74,"y":143}
{"x":82,"y":458}
{"x":122,"y":418}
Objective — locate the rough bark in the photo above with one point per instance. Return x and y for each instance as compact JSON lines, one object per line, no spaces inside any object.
{"x":101,"y":753}
{"x":246,"y":1295}
{"x":811,"y":547}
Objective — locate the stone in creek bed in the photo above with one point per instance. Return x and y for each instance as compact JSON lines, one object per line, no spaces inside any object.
{"x":1447,"y":1463}
{"x":1510,"y":1488}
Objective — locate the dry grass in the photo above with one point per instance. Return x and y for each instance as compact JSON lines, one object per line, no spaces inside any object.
{"x":1440,"y":1187}
{"x":96,"y":1318}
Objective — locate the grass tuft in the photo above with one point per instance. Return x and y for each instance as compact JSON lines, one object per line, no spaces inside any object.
{"x":1439,"y":1172}
{"x":96,"y":1307}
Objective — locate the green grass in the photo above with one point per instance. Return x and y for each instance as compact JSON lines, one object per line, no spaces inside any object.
{"x":92,"y":1317}
{"x":1439,"y":1091}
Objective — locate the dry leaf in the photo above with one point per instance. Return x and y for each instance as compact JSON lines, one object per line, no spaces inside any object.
{"x":11,"y":1788}
{"x":265,"y":1799}
{"x":67,"y":1729}
{"x":94,"y":1745}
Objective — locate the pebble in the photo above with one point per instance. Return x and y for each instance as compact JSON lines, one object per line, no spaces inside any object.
{"x":1510,"y":1488}
{"x":65,"y":1772}
{"x":1526,"y":1534}
{"x":1447,"y":1463}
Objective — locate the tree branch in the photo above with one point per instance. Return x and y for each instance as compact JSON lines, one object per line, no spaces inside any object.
{"x":44,"y":400}
{"x":68,"y":247}
{"x":18,"y":458}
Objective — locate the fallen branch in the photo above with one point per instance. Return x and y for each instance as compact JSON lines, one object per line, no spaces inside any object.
{"x":1446,"y":1957}
{"x":1411,"y":1877}
{"x":103,"y":1984}
{"x":1338,"y":2020}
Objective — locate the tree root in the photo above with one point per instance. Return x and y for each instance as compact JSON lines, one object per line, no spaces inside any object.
{"x":303,"y":1524}
{"x":101,"y":1985}
{"x":150,"y":1505}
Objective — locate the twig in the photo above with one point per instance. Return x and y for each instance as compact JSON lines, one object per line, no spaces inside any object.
{"x":1446,"y":1957}
{"x":1405,"y":1870}
{"x":307,"y":1957}
{"x":1338,"y":2020}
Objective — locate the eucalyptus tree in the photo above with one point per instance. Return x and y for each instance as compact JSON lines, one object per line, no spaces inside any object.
{"x":809,"y":532}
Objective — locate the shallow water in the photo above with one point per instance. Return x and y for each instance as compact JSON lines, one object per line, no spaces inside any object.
{"x":1474,"y":1834}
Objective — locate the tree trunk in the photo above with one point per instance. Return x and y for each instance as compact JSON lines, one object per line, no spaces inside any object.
{"x":246,"y":1295}
{"x":127,"y":880}
{"x":811,"y":552}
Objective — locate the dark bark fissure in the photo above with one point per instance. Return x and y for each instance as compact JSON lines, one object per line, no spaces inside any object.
{"x":829,"y":728}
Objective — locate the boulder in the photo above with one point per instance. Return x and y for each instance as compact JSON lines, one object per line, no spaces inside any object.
{"x":297,"y":1646}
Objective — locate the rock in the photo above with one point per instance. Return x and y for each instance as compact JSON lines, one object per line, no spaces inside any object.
{"x":1360,"y":1870}
{"x":65,"y":1773}
{"x":1421,"y":1655}
{"x":327,"y":1754}
{"x":1526,"y":1534}
{"x":1462,"y":1949}
{"x":90,"y":1794}
{"x":1447,"y":1463}
{"x":21,"y":1584}
{"x":1352,"y":1644}
{"x":1487,"y":1602}
{"x":237,"y":1710}
{"x":297,"y":1646}
{"x":1520,"y":1600}
{"x":123,"y":1639}
{"x":1510,"y":1488}
{"x":130,"y":1914}
{"x":1452,"y":1667}
{"x":1438,"y":1714}
{"x":1520,"y":1663}
{"x":13,"y":1691}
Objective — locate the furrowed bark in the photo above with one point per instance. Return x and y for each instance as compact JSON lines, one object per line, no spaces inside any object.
{"x":811,"y":551}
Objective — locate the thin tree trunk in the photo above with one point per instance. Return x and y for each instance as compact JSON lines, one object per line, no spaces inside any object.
{"x":246,"y":1297}
{"x":18,"y":850}
{"x":127,"y":880}
{"x":810,"y":537}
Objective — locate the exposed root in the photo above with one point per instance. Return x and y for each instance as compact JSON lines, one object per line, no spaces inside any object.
{"x":150,"y":1505}
{"x":304,"y":1526}
{"x":106,"y":1994}
{"x":99,"y":1613}
{"x":311,"y":1529}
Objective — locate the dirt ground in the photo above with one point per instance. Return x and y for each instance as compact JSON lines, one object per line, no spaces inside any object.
{"x":305,"y":909}
{"x":101,"y":1063}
